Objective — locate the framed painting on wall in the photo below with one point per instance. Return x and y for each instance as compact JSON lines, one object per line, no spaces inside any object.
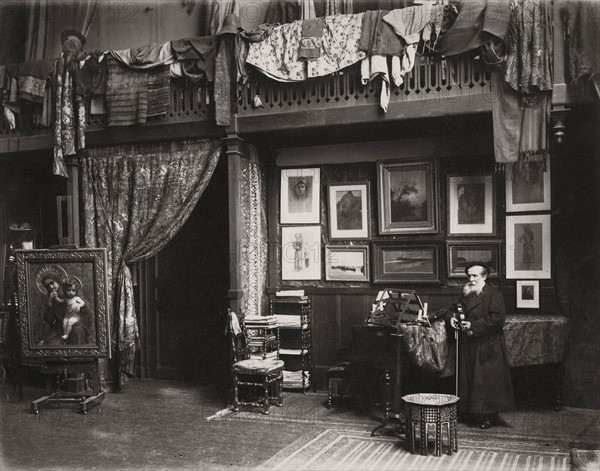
{"x":347,"y":263}
{"x":301,"y":253}
{"x":461,"y":253}
{"x":349,"y":210}
{"x":63,"y":304}
{"x":407,"y":196}
{"x":471,"y":205}
{"x":405,"y":262}
{"x":300,"y":196}
{"x":530,"y":191}
{"x":528,"y":246}
{"x":528,"y":294}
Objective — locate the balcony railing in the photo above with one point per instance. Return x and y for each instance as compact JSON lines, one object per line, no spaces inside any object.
{"x":431,"y":79}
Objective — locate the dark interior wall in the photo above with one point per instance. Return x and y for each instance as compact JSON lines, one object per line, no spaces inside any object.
{"x":339,"y":305}
{"x":13,"y":24}
{"x":578,"y":256}
{"x":28,"y":192}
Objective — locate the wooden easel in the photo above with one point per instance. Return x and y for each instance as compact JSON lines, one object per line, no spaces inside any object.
{"x":65,"y":370}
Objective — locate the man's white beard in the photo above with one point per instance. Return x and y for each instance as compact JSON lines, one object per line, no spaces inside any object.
{"x":478,"y":287}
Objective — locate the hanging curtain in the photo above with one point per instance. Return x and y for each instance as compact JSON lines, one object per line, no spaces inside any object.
{"x":253,"y":237}
{"x":37,"y":26}
{"x":136,"y":198}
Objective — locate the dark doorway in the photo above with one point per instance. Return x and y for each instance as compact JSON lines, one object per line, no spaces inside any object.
{"x":186,"y":294}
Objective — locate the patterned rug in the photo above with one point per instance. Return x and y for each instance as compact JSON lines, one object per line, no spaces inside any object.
{"x":334,"y":449}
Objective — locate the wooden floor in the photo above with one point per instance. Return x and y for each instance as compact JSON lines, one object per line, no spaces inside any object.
{"x":174,"y":425}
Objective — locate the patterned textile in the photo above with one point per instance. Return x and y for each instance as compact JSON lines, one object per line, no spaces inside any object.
{"x":529,"y":41}
{"x":70,"y":116}
{"x":258,"y":366}
{"x":253,"y":235}
{"x":378,"y":37}
{"x":277,"y":56}
{"x":136,"y":198}
{"x":133,"y":95}
{"x":310,"y":43}
{"x":225,"y":79}
{"x":520,"y":124}
{"x":530,"y":340}
{"x":582,"y":20}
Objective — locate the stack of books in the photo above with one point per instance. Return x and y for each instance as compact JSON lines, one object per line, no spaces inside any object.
{"x":263,"y":337}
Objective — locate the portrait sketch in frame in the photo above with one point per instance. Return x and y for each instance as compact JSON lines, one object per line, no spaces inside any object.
{"x":461,"y":253}
{"x":405,"y":262}
{"x":349,"y":210}
{"x":63,"y":303}
{"x":528,"y":246}
{"x":347,"y":263}
{"x":301,"y":253}
{"x":471,"y":205}
{"x":300,"y":196}
{"x":528,"y":294}
{"x":530,"y":188}
{"x":407,"y":197}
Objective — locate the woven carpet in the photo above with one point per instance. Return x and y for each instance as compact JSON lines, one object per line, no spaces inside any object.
{"x":334,"y":449}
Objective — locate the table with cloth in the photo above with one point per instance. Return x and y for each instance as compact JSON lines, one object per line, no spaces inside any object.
{"x":531,"y":339}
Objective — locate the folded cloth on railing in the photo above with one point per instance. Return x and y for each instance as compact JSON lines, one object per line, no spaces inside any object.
{"x":373,"y":67}
{"x":378,"y":37}
{"x":412,"y":23}
{"x":197,"y":56}
{"x":31,"y":78}
{"x":277,"y":55}
{"x":146,"y":57}
{"x":477,"y":23}
{"x":312,"y":34}
{"x":133,"y":95}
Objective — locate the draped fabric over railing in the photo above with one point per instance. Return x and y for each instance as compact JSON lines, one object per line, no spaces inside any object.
{"x":136,"y":198}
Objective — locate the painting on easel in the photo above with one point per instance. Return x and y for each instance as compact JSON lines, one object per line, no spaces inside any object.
{"x":63,"y":303}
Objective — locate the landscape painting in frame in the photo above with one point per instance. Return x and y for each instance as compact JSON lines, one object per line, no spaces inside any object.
{"x":528,"y":190}
{"x":301,"y":253}
{"x":405,"y":262}
{"x":528,"y":246}
{"x":300,"y":196}
{"x":407,"y":195}
{"x":470,"y":205}
{"x":349,"y":210}
{"x":63,"y":304}
{"x":347,"y":263}
{"x":461,"y":253}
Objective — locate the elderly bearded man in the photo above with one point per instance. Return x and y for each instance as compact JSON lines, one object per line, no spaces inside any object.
{"x":485,"y":387}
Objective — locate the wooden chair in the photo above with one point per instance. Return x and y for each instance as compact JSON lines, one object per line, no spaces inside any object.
{"x":262,"y":379}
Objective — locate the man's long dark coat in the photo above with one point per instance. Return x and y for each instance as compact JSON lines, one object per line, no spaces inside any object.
{"x":484,"y":376}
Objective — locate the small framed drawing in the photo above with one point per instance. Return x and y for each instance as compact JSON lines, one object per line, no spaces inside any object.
{"x":301,"y":253}
{"x":63,"y":303}
{"x":471,"y":205}
{"x":407,"y":196}
{"x":528,"y":294}
{"x":300,"y":196}
{"x":405,"y":262}
{"x":461,"y":253}
{"x":347,"y":263}
{"x":528,"y":246}
{"x":349,"y":210}
{"x":530,"y":188}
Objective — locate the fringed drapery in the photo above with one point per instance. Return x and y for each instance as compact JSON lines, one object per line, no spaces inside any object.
{"x":136,"y":198}
{"x":253,"y":241}
{"x":69,"y":117}
{"x":521,"y":89}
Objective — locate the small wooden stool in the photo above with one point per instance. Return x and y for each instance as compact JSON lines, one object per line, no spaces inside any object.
{"x":338,"y":379}
{"x":438,"y":410}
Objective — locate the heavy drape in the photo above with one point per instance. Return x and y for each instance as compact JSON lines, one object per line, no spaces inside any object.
{"x":136,"y":198}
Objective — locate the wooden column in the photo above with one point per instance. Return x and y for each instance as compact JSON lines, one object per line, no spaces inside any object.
{"x":73,"y":191}
{"x":236,"y":150}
